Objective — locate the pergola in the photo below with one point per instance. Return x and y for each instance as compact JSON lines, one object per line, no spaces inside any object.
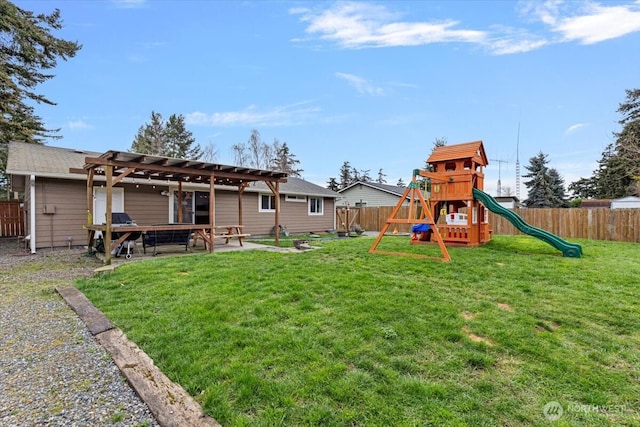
{"x":115,"y":166}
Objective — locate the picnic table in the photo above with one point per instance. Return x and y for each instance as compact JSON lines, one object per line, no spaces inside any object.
{"x":226,"y":232}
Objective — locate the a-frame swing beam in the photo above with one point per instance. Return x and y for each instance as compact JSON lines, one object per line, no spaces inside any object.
{"x":426,"y":218}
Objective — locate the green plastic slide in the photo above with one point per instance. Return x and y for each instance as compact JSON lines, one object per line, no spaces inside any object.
{"x":568,"y":249}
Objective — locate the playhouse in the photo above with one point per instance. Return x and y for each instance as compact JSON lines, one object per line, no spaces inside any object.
{"x":454,"y":171}
{"x":457,"y":210}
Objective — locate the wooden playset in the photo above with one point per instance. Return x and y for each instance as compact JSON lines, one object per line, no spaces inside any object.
{"x":451,"y":215}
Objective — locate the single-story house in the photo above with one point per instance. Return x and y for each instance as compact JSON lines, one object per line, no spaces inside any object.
{"x":57,"y":197}
{"x":368,"y":194}
{"x":629,"y":202}
{"x":509,"y":202}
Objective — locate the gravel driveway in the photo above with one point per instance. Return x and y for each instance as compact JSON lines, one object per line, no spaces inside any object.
{"x":52,"y":371}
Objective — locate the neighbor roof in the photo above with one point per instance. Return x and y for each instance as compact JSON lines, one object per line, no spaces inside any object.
{"x":392,"y":189}
{"x":468,"y":150}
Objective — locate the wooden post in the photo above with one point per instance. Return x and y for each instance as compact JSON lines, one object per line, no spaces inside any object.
{"x":277,"y":199}
{"x":180,"y":218}
{"x":107,"y":232}
{"x":212,"y":211}
{"x":241,"y":188}
{"x":90,"y":234}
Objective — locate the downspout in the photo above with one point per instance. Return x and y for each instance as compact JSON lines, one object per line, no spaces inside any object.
{"x":32,"y":215}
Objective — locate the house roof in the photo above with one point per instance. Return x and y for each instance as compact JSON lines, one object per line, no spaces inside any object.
{"x":391,"y":189}
{"x":57,"y":162}
{"x":468,"y":150}
{"x":628,"y":199}
{"x":45,"y":160}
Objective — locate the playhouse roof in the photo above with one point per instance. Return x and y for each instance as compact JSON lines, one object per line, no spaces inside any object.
{"x":468,"y":150}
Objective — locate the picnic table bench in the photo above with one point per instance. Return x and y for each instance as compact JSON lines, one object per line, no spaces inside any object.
{"x":226,"y":232}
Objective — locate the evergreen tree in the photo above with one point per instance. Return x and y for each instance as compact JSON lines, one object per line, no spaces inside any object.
{"x":611,"y":178}
{"x":540,"y":188}
{"x":401,"y":183}
{"x":381,"y":177}
{"x":364,"y":176}
{"x":180,"y":142}
{"x":285,"y":160}
{"x":333,"y":185}
{"x":557,"y":186}
{"x":27,"y":50}
{"x":584,"y":188}
{"x":346,"y":175}
{"x":628,"y":140}
{"x":171,"y":139}
{"x":150,"y":137}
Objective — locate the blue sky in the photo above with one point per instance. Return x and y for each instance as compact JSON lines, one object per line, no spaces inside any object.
{"x":373,"y":83}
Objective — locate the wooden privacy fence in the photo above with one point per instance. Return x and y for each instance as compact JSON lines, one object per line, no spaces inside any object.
{"x":596,"y":224}
{"x":11,"y":219}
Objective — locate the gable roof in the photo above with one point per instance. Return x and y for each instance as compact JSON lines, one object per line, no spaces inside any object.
{"x":468,"y":150}
{"x":56,"y":162}
{"x":45,"y":160}
{"x":391,"y":189}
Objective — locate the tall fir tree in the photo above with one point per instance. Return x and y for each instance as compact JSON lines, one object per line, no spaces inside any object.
{"x":381,"y":177}
{"x":346,"y":175}
{"x":540,"y":189}
{"x":285,"y":160}
{"x":28,"y":51}
{"x":333,"y":185}
{"x":171,"y":138}
{"x":559,"y":192}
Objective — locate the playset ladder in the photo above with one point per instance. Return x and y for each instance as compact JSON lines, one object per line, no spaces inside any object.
{"x":426,"y":218}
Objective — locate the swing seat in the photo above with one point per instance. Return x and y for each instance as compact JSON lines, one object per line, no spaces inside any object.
{"x":421,"y":232}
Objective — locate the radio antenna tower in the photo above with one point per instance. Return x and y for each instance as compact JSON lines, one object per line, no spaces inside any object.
{"x":500,"y":162}
{"x":518,"y":164}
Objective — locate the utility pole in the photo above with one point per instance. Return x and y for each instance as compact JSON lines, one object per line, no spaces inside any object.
{"x":518,"y":164}
{"x":500,"y":162}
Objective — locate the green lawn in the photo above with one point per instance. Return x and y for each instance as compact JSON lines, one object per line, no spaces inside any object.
{"x":338,"y":336}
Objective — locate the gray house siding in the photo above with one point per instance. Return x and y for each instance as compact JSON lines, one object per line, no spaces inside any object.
{"x":372,"y":197}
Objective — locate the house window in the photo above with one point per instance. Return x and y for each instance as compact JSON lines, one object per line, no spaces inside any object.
{"x":267,"y":203}
{"x":315,"y":206}
{"x":290,"y":198}
{"x":361,"y":204}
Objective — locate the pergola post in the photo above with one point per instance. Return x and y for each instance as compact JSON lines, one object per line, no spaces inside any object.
{"x":90,"y":234}
{"x":180,"y":218}
{"x":212,"y":211}
{"x":107,"y":234}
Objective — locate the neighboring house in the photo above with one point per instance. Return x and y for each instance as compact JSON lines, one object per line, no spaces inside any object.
{"x":630,"y":202}
{"x":368,"y":194}
{"x":509,"y":202}
{"x":55,"y":199}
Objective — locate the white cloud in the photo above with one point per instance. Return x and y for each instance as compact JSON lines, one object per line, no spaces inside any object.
{"x":129,"y":4}
{"x":591,"y":22}
{"x":78,"y":124}
{"x":573,"y":128}
{"x":355,"y":25}
{"x":251,"y":116}
{"x":359,"y":25}
{"x":362,"y":86}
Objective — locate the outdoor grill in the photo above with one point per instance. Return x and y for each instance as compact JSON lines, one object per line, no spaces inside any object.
{"x":119,"y":219}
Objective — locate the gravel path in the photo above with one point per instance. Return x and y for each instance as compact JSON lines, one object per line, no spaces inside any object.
{"x":52,"y":371}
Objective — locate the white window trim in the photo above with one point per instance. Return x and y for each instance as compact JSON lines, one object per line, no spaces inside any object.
{"x":260,"y":209}
{"x":295,"y":198}
{"x":321,"y":206}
